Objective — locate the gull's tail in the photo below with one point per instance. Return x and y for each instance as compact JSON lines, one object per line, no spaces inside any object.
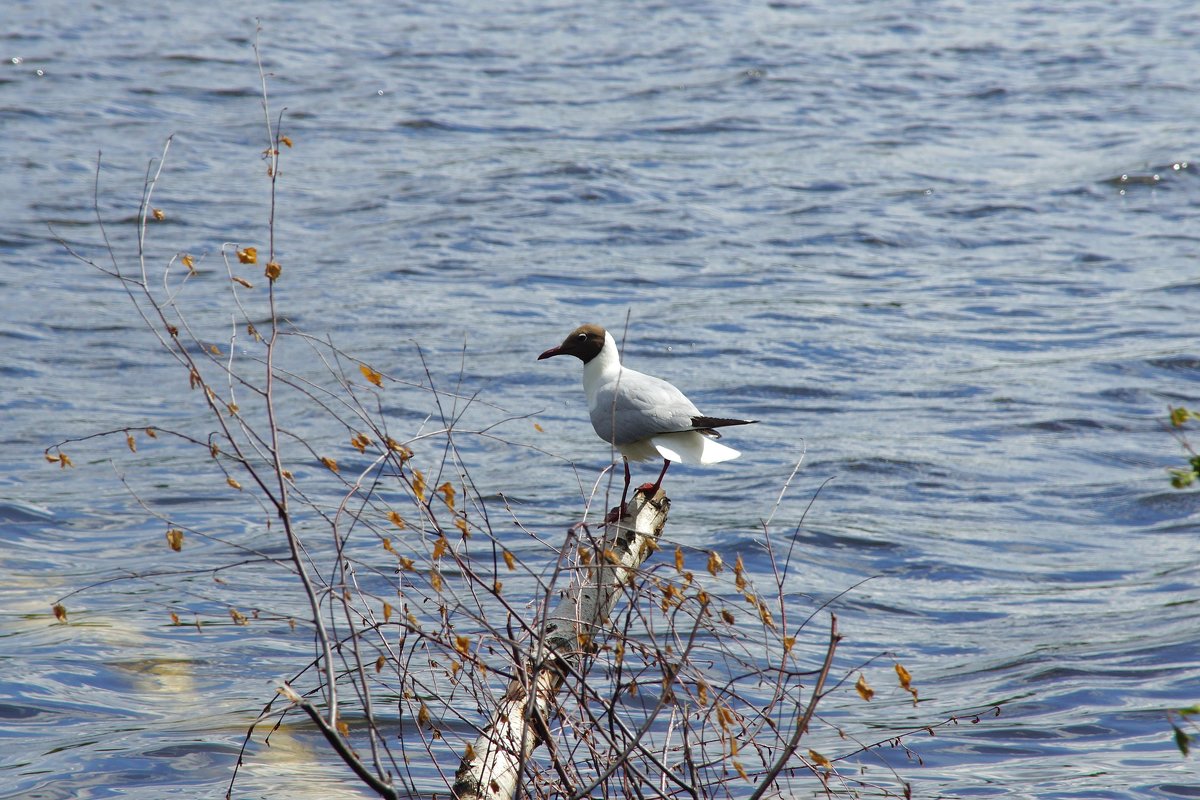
{"x":692,"y":447}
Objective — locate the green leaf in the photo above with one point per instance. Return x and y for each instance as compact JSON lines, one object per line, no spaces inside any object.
{"x":1182,"y":740}
{"x":1194,"y":709}
{"x":1179,"y":416}
{"x":1182,"y":478}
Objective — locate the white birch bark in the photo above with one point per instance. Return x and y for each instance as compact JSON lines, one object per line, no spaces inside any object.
{"x":492,"y":766}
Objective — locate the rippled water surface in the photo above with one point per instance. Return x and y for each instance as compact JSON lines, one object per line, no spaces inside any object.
{"x":945,"y":252}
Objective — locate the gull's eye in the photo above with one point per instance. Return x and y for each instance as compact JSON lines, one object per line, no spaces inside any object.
{"x":581,"y":337}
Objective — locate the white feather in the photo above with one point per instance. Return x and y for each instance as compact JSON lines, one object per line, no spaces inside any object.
{"x":692,"y":447}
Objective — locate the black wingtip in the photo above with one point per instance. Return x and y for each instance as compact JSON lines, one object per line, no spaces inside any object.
{"x":719,"y":422}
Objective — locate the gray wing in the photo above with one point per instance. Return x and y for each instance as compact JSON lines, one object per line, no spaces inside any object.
{"x":637,"y":406}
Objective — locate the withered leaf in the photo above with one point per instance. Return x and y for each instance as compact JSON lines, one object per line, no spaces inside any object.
{"x":371,"y":375}
{"x":175,"y":539}
{"x":60,"y":612}
{"x":447,"y":490}
{"x":906,"y":681}
{"x":764,"y":614}
{"x":400,"y":450}
{"x":863,"y":688}
{"x":329,"y":463}
{"x":440,"y":547}
{"x":248,"y":255}
{"x":273,"y":270}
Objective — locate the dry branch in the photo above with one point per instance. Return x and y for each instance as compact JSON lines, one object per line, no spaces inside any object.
{"x":491,"y":766}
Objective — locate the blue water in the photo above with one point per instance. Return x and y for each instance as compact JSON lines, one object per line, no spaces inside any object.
{"x":945,"y":252}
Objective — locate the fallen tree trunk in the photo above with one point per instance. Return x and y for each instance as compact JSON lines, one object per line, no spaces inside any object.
{"x":491,"y":766}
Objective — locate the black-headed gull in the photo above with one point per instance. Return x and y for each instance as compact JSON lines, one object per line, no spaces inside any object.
{"x":643,"y":416}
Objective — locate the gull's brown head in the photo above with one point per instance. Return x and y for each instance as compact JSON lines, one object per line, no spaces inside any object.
{"x":585,"y":343}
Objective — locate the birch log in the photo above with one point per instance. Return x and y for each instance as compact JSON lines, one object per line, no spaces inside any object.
{"x":492,"y":765}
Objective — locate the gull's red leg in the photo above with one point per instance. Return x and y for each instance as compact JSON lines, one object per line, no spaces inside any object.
{"x":652,"y":488}
{"x":619,"y":511}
